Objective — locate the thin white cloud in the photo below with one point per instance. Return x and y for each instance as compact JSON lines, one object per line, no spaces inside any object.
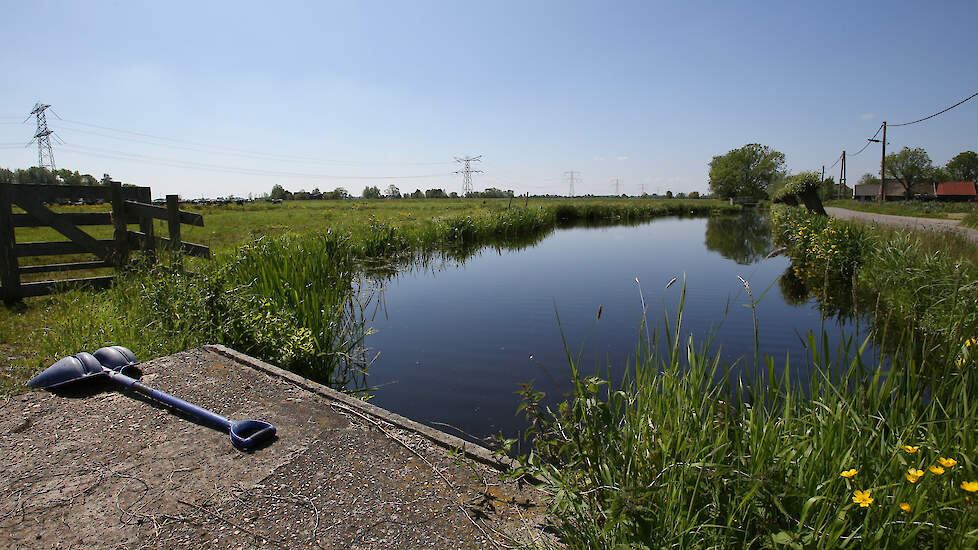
{"x":621,"y":157}
{"x":598,"y":158}
{"x":867,"y":116}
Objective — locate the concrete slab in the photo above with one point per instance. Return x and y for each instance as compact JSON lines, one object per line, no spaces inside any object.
{"x":100,"y":468}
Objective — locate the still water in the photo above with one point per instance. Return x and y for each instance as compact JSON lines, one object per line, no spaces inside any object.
{"x":456,"y":340}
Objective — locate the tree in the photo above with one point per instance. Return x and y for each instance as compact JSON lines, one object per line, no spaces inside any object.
{"x":868,"y":179}
{"x":909,"y":166}
{"x":435,"y":194}
{"x":964,"y":166}
{"x":392,"y":192}
{"x":746,"y":172}
{"x":668,"y":194}
{"x":278,"y":192}
{"x":371,"y":192}
{"x":340,"y":193}
{"x":418,"y":194}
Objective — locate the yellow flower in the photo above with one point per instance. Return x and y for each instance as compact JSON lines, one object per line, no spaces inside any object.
{"x":913,"y":475}
{"x":947,"y":462}
{"x":910,"y":448}
{"x":863,"y":499}
{"x":936,"y":470}
{"x":849,"y":473}
{"x":970,"y":486}
{"x":905,"y":507}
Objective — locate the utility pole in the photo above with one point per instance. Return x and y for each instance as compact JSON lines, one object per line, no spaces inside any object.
{"x":882,"y":195}
{"x":571,"y":177}
{"x":467,"y":172}
{"x":43,"y":137}
{"x":617,"y":182}
{"x":842,"y":175}
{"x":883,"y":166}
{"x":641,"y":189}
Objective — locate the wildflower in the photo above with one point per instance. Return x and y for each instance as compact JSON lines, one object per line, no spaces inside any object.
{"x":970,"y":486}
{"x":936,"y":470}
{"x":849,"y":473}
{"x":911,"y":449}
{"x":905,"y":507}
{"x":947,"y":462}
{"x":913,"y":475}
{"x":863,"y":499}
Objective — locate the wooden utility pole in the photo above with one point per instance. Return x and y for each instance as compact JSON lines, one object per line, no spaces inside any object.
{"x":842,"y":175}
{"x":883,"y":167}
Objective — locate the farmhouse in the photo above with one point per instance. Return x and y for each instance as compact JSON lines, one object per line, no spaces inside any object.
{"x":894,"y":191}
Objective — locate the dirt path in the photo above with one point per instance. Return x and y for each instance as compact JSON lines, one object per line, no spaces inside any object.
{"x":105,"y":469}
{"x":933,"y":224}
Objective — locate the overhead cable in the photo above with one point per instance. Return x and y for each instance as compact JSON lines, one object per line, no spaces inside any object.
{"x":937,"y":113}
{"x":121,"y":155}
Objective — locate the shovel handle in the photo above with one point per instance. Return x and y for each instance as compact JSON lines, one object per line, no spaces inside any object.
{"x":200,"y":413}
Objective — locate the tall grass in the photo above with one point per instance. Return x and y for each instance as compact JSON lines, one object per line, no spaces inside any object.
{"x":681,"y":456}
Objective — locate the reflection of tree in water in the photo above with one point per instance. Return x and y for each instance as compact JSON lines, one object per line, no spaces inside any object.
{"x":744,"y":239}
{"x":836,"y":297}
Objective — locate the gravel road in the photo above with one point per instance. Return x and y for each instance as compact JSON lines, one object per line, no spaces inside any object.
{"x":905,"y":221}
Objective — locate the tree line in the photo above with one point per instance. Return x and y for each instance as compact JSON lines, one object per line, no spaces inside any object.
{"x":36,"y":174}
{"x":759,"y":171}
{"x":390,"y":192}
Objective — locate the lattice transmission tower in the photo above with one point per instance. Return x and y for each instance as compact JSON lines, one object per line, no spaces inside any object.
{"x":467,"y":172}
{"x":572,"y":176}
{"x":43,"y":137}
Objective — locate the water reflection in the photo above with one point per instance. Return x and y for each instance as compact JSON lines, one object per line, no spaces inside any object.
{"x":745,"y":239}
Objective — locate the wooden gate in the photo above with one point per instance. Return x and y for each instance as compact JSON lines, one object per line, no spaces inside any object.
{"x":130,"y":205}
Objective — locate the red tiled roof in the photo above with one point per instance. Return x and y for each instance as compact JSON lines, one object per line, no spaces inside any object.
{"x":958,"y":188}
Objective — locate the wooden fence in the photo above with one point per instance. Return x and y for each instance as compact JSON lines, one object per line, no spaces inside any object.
{"x":130,"y":205}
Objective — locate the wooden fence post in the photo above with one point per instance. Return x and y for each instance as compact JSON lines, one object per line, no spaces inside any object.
{"x":146,"y":226}
{"x":119,"y":221}
{"x":173,"y":225}
{"x":173,"y":220}
{"x":9,"y":269}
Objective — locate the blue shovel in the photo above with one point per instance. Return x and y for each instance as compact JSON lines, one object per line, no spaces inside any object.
{"x":113,"y":362}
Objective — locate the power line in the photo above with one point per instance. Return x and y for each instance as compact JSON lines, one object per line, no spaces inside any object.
{"x":870,"y":140}
{"x":937,"y":113}
{"x":836,"y":161}
{"x":120,"y":155}
{"x":205,"y":147}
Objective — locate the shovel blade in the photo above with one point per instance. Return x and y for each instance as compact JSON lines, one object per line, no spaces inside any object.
{"x":117,"y":358}
{"x":67,"y":371}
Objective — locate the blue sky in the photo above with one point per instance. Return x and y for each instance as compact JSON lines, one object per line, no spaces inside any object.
{"x":328,"y":94}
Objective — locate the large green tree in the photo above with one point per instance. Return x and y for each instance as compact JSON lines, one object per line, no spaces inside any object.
{"x":964,"y":166}
{"x":746,"y":172}
{"x":908,"y":167}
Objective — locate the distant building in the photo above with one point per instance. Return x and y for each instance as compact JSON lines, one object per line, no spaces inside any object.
{"x":956,"y":191}
{"x":894,"y":191}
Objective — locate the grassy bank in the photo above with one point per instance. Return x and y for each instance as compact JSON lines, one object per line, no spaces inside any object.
{"x":292,"y":292}
{"x":922,"y":281}
{"x":919,"y":209}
